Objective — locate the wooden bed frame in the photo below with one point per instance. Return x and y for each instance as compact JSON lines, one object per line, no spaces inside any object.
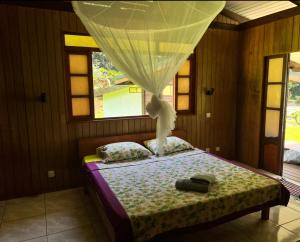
{"x":87,"y":146}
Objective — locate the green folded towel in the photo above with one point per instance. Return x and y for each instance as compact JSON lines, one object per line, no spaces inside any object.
{"x":204,"y":178}
{"x":189,"y":185}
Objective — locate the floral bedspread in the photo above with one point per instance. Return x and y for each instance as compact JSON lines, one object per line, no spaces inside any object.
{"x":147,"y":191}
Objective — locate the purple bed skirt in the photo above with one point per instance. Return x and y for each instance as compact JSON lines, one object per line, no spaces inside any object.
{"x":113,"y":208}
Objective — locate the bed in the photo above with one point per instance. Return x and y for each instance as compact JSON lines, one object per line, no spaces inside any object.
{"x":137,"y":200}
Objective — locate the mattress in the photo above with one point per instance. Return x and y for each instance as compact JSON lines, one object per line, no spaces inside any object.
{"x":141,"y":199}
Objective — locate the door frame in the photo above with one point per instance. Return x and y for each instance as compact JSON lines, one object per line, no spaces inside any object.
{"x":283,"y":103}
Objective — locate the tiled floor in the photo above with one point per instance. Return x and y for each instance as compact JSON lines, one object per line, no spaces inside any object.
{"x":66,"y":216}
{"x":54,"y":217}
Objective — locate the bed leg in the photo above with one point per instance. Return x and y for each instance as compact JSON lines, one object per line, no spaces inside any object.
{"x":265,"y":214}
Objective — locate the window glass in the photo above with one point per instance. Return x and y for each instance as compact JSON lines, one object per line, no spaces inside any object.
{"x":275,"y":70}
{"x":78,"y":64}
{"x":183,"y":102}
{"x":183,"y":84}
{"x":115,"y":95}
{"x":274,"y":96}
{"x":272,"y":123}
{"x":79,"y":85}
{"x":80,"y":41}
{"x":185,"y":69}
{"x":80,"y":106}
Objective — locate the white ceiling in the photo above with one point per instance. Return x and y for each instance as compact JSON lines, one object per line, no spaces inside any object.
{"x":256,"y":9}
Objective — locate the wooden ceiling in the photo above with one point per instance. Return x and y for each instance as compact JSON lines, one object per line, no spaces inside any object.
{"x":250,"y":10}
{"x":246,"y":13}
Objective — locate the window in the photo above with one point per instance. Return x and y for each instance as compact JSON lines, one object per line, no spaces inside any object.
{"x":97,"y":89}
{"x":184,"y":87}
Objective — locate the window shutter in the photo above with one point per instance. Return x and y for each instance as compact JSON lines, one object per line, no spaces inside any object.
{"x":79,"y":80}
{"x":184,"y":87}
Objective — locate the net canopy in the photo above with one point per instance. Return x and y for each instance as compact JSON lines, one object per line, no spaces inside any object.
{"x":149,"y":41}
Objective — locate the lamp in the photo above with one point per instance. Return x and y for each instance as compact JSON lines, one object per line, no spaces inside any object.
{"x":209,"y":91}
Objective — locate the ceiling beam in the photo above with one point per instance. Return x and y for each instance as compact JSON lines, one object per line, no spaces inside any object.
{"x":217,"y":25}
{"x":229,"y":14}
{"x":271,"y":18}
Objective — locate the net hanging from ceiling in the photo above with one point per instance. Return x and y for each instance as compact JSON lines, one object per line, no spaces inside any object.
{"x":149,"y":41}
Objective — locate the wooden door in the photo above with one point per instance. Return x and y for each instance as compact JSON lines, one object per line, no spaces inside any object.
{"x":273,"y":113}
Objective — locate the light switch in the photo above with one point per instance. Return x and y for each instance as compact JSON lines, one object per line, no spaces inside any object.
{"x":208,"y":115}
{"x":218,"y":148}
{"x":51,"y":174}
{"x":207,"y":149}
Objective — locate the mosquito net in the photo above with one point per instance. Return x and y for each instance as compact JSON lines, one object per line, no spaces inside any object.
{"x":149,"y":41}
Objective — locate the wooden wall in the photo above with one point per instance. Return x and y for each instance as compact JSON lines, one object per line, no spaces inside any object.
{"x":35,"y":137}
{"x":281,"y":36}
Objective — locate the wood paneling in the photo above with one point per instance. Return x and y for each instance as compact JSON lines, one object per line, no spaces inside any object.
{"x":281,"y":36}
{"x":35,"y":137}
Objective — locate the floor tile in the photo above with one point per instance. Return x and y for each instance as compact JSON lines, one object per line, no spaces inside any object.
{"x":23,"y":229}
{"x":1,"y":213}
{"x":24,"y":208}
{"x":293,"y":226}
{"x":294,"y":204}
{"x":40,"y":239}
{"x":281,"y":214}
{"x":91,"y":210}
{"x":57,"y":201}
{"x":100,"y":231}
{"x":66,"y":219}
{"x":221,"y":233}
{"x":81,"y":234}
{"x":22,"y":200}
{"x":275,"y":234}
{"x":70,"y":217}
{"x":262,"y":230}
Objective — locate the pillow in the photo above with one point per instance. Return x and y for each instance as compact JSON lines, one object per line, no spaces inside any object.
{"x":122,"y":151}
{"x":173,"y":144}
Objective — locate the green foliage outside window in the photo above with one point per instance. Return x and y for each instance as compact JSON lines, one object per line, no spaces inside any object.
{"x":104,"y":73}
{"x":294,"y":90}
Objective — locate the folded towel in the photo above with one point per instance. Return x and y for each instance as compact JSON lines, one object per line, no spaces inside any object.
{"x":204,"y":178}
{"x":189,"y":185}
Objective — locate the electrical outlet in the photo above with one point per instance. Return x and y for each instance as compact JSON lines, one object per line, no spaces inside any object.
{"x":51,"y":174}
{"x":218,"y":148}
{"x":207,"y":149}
{"x":208,"y":115}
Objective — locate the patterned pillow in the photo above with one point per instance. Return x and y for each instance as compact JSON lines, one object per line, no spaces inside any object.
{"x":173,"y":144}
{"x":122,"y":151}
